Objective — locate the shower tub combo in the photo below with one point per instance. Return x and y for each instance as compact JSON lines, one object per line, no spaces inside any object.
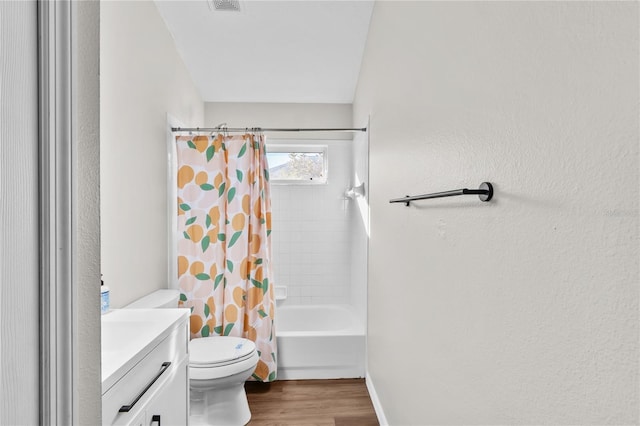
{"x":319,"y":342}
{"x":314,"y":341}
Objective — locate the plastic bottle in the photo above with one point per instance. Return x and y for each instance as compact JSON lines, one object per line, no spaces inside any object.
{"x":104,"y":298}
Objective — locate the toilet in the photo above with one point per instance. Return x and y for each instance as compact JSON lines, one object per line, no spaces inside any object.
{"x":218,"y":368}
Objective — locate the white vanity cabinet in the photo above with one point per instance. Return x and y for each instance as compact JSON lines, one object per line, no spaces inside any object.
{"x":145,"y":361}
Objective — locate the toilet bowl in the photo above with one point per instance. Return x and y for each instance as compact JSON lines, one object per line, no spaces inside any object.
{"x":218,"y":368}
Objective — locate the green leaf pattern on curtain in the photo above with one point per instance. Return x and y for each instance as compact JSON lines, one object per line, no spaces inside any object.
{"x":227,"y":282}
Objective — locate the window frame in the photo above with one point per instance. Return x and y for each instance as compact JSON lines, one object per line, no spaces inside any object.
{"x":281,"y":146}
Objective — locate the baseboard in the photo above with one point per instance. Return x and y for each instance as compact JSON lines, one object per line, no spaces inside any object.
{"x":382,"y":419}
{"x":308,"y":373}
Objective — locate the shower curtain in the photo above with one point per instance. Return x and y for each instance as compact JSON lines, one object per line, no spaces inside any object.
{"x":224,"y":244}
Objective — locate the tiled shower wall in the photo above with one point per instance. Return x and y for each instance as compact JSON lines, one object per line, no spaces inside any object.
{"x":311,"y":233}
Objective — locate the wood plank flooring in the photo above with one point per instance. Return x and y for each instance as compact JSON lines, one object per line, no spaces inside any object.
{"x":342,"y":402}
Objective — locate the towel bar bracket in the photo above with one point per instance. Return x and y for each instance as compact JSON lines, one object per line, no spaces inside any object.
{"x":487,"y":193}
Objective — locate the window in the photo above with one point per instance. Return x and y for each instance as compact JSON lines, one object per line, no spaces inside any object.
{"x":297,"y":164}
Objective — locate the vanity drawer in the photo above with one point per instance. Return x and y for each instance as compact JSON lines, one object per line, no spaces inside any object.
{"x":149,"y":373}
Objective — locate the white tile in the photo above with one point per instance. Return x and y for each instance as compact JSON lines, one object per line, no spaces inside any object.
{"x":312,"y":240}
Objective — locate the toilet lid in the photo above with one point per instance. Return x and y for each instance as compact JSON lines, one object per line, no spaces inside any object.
{"x":219,"y":349}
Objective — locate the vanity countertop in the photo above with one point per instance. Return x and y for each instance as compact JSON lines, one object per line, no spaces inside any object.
{"x":128,"y":335}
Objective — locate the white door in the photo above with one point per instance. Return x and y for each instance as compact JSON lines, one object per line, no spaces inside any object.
{"x":19,"y":267}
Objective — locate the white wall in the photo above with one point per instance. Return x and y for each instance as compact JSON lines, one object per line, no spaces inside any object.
{"x":312,"y":224}
{"x":523,"y":310}
{"x":142,"y":79}
{"x":86,"y":209}
{"x":19,"y":214}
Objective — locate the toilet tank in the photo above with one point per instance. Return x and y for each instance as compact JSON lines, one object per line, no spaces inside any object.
{"x":165,"y":298}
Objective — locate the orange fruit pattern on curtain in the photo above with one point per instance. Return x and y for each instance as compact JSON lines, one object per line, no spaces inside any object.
{"x":224,"y":244}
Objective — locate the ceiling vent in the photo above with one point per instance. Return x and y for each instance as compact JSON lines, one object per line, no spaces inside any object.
{"x":226,"y":5}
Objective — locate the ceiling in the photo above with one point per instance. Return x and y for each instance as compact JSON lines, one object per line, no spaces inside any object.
{"x":304,"y":51}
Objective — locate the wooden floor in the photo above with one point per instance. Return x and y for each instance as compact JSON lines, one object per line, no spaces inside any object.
{"x":343,"y":402}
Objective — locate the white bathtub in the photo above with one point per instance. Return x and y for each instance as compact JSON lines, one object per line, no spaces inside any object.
{"x":319,"y":342}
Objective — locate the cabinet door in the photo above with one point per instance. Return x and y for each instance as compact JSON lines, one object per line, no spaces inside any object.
{"x":140,"y":420}
{"x":170,"y":404}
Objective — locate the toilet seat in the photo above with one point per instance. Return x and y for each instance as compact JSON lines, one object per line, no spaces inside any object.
{"x":220,"y":356}
{"x":219,"y":350}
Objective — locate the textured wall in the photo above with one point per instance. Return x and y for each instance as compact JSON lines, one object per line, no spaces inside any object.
{"x":142,"y":78}
{"x":18,"y":214}
{"x":523,"y":310}
{"x":86,"y":208}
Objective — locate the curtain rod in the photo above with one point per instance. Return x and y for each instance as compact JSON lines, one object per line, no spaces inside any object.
{"x":260,"y":129}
